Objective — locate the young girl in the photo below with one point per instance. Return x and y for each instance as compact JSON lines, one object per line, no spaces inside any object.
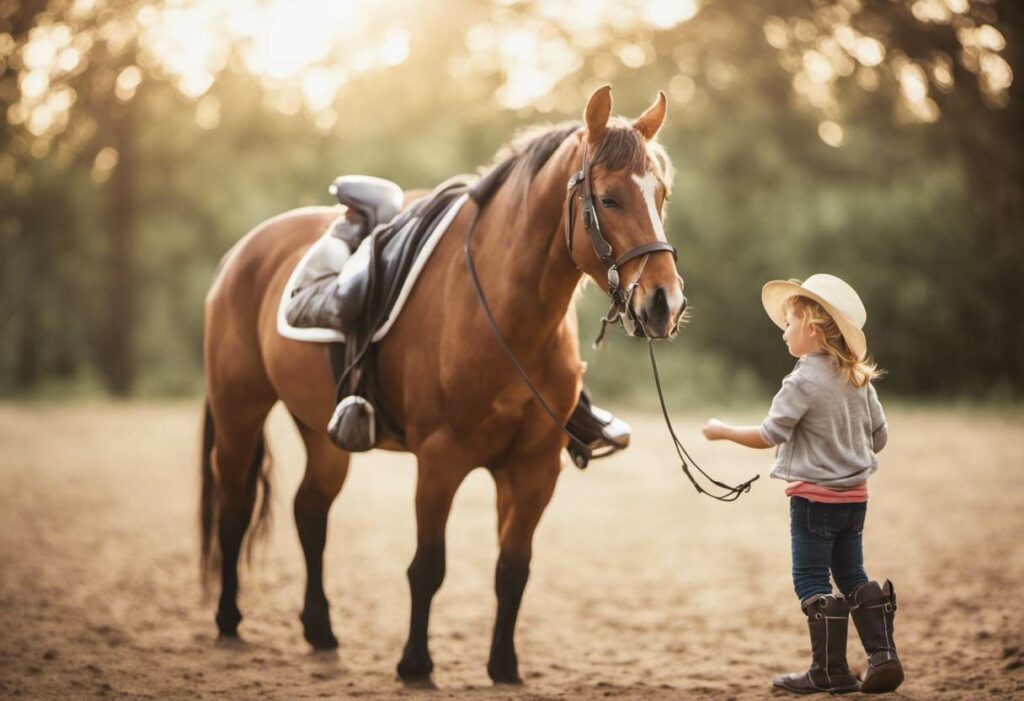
{"x":828,"y":424}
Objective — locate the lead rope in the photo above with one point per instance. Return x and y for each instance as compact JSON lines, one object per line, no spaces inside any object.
{"x":731,"y":493}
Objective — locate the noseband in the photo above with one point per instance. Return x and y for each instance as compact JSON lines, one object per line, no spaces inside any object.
{"x":620,"y":297}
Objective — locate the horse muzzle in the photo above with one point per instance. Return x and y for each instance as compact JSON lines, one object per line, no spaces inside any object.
{"x":656,"y":315}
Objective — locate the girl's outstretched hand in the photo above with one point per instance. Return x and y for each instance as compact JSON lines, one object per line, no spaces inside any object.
{"x":713,"y":430}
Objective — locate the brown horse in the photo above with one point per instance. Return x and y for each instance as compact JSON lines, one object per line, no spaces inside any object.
{"x":443,"y":374}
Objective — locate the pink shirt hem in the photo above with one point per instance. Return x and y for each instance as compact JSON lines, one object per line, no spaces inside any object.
{"x":824,"y":495}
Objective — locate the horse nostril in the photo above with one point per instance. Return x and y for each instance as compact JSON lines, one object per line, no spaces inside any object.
{"x":660,"y":298}
{"x":682,"y":307}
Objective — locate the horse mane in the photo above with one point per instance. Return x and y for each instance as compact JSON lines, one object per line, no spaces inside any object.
{"x":521,"y":158}
{"x":519,"y":161}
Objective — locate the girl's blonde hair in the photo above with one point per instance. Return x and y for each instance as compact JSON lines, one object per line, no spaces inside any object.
{"x":857,"y":371}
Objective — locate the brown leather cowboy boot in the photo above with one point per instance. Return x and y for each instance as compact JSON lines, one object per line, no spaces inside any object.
{"x":873,"y":609}
{"x":827,"y":619}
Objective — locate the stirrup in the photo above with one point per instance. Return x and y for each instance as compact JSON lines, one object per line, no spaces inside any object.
{"x":353,"y":427}
{"x":601,"y":432}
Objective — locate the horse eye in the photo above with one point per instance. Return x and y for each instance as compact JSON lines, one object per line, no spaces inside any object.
{"x":610,"y":202}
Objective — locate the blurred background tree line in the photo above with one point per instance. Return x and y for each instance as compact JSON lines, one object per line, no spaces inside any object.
{"x":880,"y":140}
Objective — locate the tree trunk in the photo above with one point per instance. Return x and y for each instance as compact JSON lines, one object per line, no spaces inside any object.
{"x":119,"y":356}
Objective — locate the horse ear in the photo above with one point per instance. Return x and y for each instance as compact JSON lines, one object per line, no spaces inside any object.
{"x":651,"y":120}
{"x":599,"y":109}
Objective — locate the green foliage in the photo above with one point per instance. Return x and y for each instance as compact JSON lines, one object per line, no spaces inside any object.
{"x":923,"y":220}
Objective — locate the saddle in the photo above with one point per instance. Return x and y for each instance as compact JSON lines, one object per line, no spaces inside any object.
{"x":310,"y":305}
{"x":359,"y":303}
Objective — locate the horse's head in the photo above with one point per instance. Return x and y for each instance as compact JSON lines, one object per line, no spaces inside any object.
{"x":629,"y":179}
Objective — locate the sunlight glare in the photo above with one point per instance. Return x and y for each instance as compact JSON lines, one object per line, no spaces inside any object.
{"x":665,"y":14}
{"x":869,"y":51}
{"x":316,"y":45}
{"x":208,"y":112}
{"x":104,"y":164}
{"x":682,"y":88}
{"x":319,"y":88}
{"x":997,"y":72}
{"x":776,"y":32}
{"x":818,"y":68}
{"x":127,"y":83}
{"x":831,"y":133}
{"x":535,"y":51}
{"x":913,"y":82}
{"x":395,"y":48}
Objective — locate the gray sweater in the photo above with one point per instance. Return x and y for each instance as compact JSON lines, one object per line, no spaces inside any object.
{"x":827,"y":430}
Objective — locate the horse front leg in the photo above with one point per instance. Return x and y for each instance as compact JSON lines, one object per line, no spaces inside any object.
{"x":437,"y":481}
{"x":524,"y":488}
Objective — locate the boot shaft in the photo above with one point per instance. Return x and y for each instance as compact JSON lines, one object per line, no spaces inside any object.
{"x":828,"y":622}
{"x":873,"y":609}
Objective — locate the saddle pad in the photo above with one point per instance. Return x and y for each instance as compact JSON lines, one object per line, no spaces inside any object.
{"x":328,"y":253}
{"x":335,"y":255}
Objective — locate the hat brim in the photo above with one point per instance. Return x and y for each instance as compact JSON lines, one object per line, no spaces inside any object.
{"x":774,"y":295}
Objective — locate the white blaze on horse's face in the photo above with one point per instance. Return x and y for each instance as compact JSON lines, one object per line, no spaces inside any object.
{"x":658,"y":305}
{"x":648,"y":185}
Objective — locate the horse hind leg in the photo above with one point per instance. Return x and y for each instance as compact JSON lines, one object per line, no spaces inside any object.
{"x":326,"y":469}
{"x":235,"y":471}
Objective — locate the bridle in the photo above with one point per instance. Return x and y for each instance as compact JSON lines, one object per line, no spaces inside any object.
{"x":620,"y":296}
{"x":620,"y":304}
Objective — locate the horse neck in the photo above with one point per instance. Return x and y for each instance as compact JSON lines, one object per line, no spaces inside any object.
{"x":534,"y":277}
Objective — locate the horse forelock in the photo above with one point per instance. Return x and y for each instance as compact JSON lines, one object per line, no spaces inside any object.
{"x":661,"y":166}
{"x":625,"y":148}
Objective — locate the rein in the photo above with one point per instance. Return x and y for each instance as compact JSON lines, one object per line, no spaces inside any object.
{"x":620,"y":305}
{"x":501,"y":338}
{"x":731,"y":493}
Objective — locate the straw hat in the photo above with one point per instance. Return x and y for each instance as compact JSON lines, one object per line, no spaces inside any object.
{"x":838,"y":298}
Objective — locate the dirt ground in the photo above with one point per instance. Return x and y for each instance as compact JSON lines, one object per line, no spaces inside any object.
{"x":640,"y":588}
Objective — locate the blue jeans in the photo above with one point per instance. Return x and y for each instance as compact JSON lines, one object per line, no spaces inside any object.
{"x":826,"y":537}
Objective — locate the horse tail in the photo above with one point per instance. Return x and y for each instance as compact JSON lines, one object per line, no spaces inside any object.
{"x":209,"y":503}
{"x":259,"y":486}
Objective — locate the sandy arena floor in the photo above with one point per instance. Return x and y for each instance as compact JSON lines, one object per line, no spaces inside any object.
{"x":639,"y":588}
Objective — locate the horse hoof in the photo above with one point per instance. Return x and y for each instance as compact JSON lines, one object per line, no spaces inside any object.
{"x":230,"y":640}
{"x":504,"y":673}
{"x":415,"y":669}
{"x":227,"y":623}
{"x":318,"y":633}
{"x":418,"y":682}
{"x":511,"y":680}
{"x":323,"y":640}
